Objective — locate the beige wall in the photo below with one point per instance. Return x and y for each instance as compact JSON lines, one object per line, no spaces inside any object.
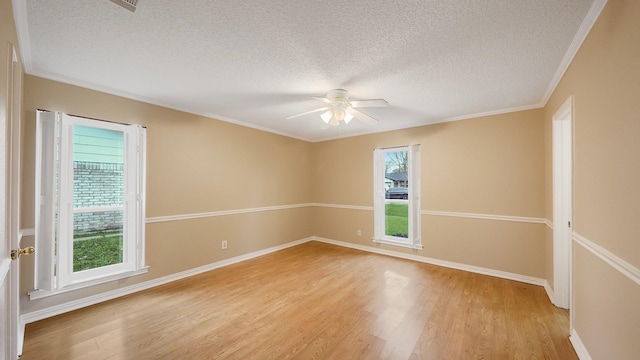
{"x":491,"y":165}
{"x":194,"y":165}
{"x":604,"y":79}
{"x":607,"y":308}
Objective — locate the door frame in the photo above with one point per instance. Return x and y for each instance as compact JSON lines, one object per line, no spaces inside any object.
{"x":562,"y":163}
{"x":13,"y":173}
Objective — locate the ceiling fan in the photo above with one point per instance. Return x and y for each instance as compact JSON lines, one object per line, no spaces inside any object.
{"x":339,"y":108}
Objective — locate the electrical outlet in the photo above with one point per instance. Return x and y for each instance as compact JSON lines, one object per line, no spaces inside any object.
{"x":224,"y":244}
{"x":359,"y":232}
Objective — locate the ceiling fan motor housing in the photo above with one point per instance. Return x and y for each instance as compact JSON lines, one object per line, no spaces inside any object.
{"x":338,"y":95}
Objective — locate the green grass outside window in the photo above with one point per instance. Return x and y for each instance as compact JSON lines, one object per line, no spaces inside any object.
{"x":96,"y":250}
{"x":397,"y":220}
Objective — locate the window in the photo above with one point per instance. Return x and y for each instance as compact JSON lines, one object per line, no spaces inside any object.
{"x":397,"y":196}
{"x":90,"y":201}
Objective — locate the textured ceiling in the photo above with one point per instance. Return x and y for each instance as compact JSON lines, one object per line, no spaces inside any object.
{"x":256,"y":62}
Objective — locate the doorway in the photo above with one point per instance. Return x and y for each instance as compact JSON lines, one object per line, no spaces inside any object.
{"x":562,"y":157}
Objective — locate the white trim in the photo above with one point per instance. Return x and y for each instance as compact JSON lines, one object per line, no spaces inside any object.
{"x":47,"y":145}
{"x":630,"y":271}
{"x":578,"y":39}
{"x":126,"y":95}
{"x":157,"y":219}
{"x":81,"y":210}
{"x":398,"y":243}
{"x":165,"y":104}
{"x":98,"y":298}
{"x":492,"y":113}
{"x":448,"y":264}
{"x":485,"y":216}
{"x":22,"y":30}
{"x":349,"y":207}
{"x":578,"y":346}
{"x":39,"y":294}
{"x":524,"y":219}
{"x":549,"y":290}
{"x":434,"y":122}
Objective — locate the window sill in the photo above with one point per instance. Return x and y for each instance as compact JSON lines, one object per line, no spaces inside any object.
{"x":40,"y":294}
{"x":398,"y":243}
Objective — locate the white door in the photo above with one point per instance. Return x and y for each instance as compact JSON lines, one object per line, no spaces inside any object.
{"x":562,"y":202}
{"x":5,"y":266}
{"x":10,"y":333}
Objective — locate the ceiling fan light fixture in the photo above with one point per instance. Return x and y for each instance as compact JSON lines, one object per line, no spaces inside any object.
{"x":339,"y":113}
{"x":326,"y":116}
{"x":348,"y":117}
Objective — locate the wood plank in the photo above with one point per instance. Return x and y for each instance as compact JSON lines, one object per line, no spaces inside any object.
{"x":315,"y":301}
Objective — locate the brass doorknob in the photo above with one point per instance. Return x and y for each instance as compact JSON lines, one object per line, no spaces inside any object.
{"x":26,"y":251}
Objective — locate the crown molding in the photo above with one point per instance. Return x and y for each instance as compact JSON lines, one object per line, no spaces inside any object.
{"x":578,"y":39}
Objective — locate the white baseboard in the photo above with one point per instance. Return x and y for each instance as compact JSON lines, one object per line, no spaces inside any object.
{"x":549,"y":290}
{"x":109,"y":295}
{"x":578,"y":345}
{"x":449,"y":264}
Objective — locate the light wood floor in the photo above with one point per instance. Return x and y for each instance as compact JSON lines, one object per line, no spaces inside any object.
{"x":315,"y":301}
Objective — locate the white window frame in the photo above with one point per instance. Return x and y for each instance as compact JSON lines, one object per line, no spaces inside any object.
{"x":413,"y":241}
{"x":54,"y":261}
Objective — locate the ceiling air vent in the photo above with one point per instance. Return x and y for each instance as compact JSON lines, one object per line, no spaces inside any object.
{"x":127,"y":4}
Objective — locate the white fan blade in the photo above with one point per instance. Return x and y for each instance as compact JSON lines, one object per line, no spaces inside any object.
{"x":369,"y":103}
{"x":323,"y":99}
{"x":362,"y":117}
{"x":308,"y":112}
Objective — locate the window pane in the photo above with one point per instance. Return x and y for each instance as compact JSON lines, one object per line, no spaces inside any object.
{"x":396,"y":194}
{"x":97,"y":239}
{"x":396,"y":167}
{"x":99,"y":145}
{"x":98,"y":181}
{"x":98,"y":167}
